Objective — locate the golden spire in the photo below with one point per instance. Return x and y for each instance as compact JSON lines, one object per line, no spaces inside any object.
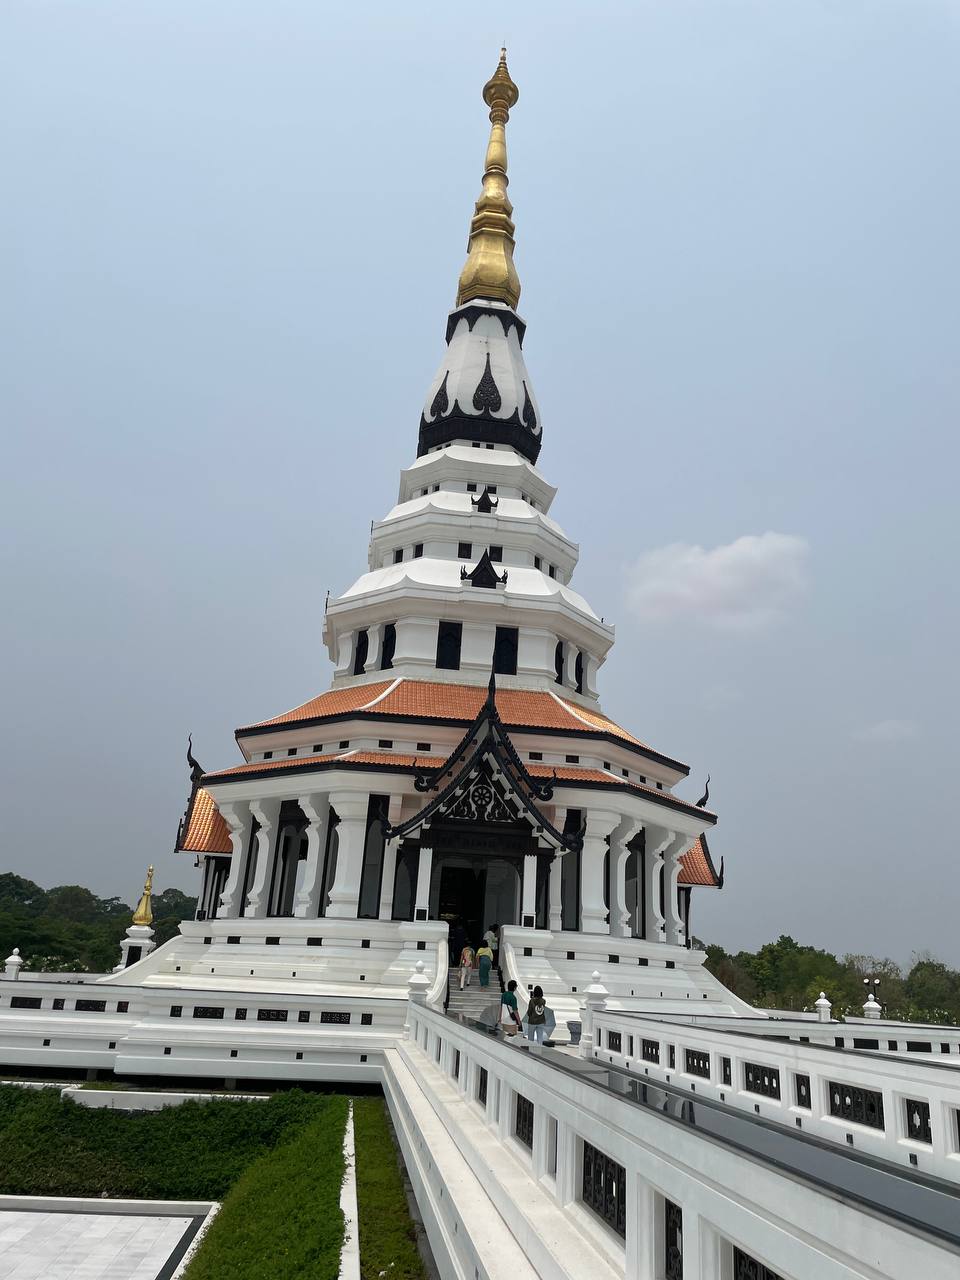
{"x":143,"y":913}
{"x":489,"y":271}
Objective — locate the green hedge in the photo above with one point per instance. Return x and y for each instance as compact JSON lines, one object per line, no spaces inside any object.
{"x":195,"y":1151}
{"x":387,"y":1239}
{"x":282,"y":1219}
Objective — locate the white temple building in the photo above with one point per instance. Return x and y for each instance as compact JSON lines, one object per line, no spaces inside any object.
{"x":459,"y":773}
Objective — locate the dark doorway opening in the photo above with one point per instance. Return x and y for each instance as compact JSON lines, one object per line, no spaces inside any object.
{"x":462,"y":893}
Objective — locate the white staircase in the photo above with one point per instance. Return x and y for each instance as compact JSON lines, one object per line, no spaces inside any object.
{"x":473,"y":999}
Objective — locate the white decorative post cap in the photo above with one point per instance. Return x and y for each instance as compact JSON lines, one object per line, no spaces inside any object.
{"x":871,"y":1007}
{"x":418,"y":982}
{"x":823,"y":1007}
{"x":13,"y":963}
{"x":596,"y":990}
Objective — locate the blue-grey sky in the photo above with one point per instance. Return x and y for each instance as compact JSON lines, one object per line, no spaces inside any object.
{"x":230,"y":234}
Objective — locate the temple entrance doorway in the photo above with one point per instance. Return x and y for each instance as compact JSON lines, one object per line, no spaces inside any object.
{"x":476,"y":890}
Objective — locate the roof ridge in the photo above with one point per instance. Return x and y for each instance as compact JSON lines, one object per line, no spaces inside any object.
{"x":568,"y":706}
{"x":397,"y":680}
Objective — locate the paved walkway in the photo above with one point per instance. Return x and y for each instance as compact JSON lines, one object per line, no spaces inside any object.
{"x":86,"y":1246}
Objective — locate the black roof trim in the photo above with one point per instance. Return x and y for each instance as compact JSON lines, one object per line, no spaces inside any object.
{"x":387,"y":717}
{"x":462,"y":426}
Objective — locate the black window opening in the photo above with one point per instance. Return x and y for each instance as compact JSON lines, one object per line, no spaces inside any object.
{"x":398,"y":555}
{"x":505,"y":651}
{"x":537,"y":562}
{"x":918,"y":1120}
{"x":371,"y":874}
{"x":465,"y":550}
{"x":802,"y":1089}
{"x":698,"y":1063}
{"x":760,"y":1079}
{"x":552,"y":571}
{"x":650,"y":1050}
{"x":614,"y":1041}
{"x":861,"y":1106}
{"x":26,"y":1002}
{"x":672,"y":1241}
{"x":747,"y":1268}
{"x":605,"y":1188}
{"x":482,"y":1086}
{"x":570,"y":877}
{"x":726,"y":1071}
{"x":389,"y":647}
{"x":578,"y":672}
{"x":523,"y":1126}
{"x":360,"y":655}
{"x":558,"y":659}
{"x":449,"y":639}
{"x":496,"y":554}
{"x":417,"y":550}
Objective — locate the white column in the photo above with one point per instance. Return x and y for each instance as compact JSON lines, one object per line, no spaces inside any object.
{"x":619,"y":853}
{"x":374,"y":646}
{"x":266,"y":813}
{"x":642,"y":1254}
{"x":390,"y":850}
{"x":316,"y":810}
{"x":675,"y":931}
{"x":528,"y":906}
{"x":570,"y":652}
{"x":424,"y":871}
{"x":555,"y":922}
{"x":658,"y":841}
{"x":239,"y":819}
{"x":590,"y":668}
{"x":351,"y":808}
{"x":593,"y":914}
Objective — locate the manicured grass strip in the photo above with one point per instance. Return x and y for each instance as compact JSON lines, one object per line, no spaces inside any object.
{"x":387,"y":1238}
{"x":195,"y":1151}
{"x":282,"y":1219}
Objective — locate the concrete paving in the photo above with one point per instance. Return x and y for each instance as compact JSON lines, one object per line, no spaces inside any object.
{"x":36,"y":1245}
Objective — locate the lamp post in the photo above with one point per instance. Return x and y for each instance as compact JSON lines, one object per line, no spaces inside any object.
{"x":871,"y":1007}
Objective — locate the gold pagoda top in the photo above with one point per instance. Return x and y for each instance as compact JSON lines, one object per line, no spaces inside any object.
{"x":144,"y":911}
{"x":489,"y":271}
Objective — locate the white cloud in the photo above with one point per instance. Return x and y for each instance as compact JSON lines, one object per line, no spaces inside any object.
{"x":887,"y":732}
{"x":743,"y":585}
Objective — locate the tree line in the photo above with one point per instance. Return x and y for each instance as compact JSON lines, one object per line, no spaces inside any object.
{"x":786,"y":975}
{"x":69,"y":929}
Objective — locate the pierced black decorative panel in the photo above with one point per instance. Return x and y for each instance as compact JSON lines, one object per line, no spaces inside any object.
{"x":523,"y":1127}
{"x":482,"y":1086}
{"x":614,"y":1041}
{"x":333,"y":1016}
{"x":176,"y":1011}
{"x":698,"y":1063}
{"x":303,"y":1015}
{"x":240,"y":1015}
{"x":605,"y":1188}
{"x":207,"y":1011}
{"x":456,"y":1065}
{"x":91,"y":1006}
{"x":650,"y":1051}
{"x":271,"y":1015}
{"x":802,"y":1084}
{"x":726,"y":1071}
{"x":366,"y":1019}
{"x":26,"y":1002}
{"x":486,"y":398}
{"x":58,"y":1003}
{"x":672,"y":1241}
{"x":762,"y":1080}
{"x":747,"y":1268}
{"x":918,"y":1120}
{"x":123,"y":1006}
{"x":862,"y":1106}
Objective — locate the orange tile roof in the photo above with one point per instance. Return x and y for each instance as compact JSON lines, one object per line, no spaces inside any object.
{"x":419,"y":699}
{"x":332,"y":703}
{"x":207,"y":831}
{"x":309,"y":762}
{"x":697,"y":866}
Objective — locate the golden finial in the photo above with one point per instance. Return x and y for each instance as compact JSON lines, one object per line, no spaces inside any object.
{"x":143,"y":913}
{"x":489,"y":271}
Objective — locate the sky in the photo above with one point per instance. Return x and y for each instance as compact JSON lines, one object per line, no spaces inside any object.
{"x":230,"y":235}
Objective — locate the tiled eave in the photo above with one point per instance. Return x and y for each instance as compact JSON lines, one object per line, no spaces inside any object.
{"x":374,"y":717}
{"x":390,"y":762}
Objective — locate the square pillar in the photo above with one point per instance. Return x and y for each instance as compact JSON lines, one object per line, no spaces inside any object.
{"x":555,"y":921}
{"x":658,"y":841}
{"x":675,"y":932}
{"x":390,"y":849}
{"x":593,"y":913}
{"x":619,"y":853}
{"x":316,"y":809}
{"x":528,"y":907}
{"x":239,"y":820}
{"x":424,"y":871}
{"x":266,"y":813}
{"x":351,"y":808}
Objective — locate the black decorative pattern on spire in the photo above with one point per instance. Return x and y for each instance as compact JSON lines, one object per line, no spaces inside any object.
{"x":485,"y":503}
{"x":484,"y":575}
{"x":529,"y":414}
{"x":441,"y":402}
{"x":487,"y":396}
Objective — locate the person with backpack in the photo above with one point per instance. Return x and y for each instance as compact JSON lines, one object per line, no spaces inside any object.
{"x":537,"y":1017}
{"x":510,"y":1022}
